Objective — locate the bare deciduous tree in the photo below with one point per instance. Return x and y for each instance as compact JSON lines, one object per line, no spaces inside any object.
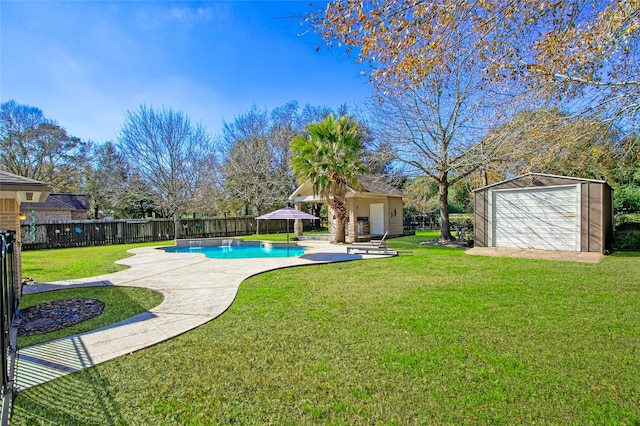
{"x":257,"y":147}
{"x":209,"y":196}
{"x":251,"y":172}
{"x":169,"y":155}
{"x":437,"y":128}
{"x":107,"y":181}
{"x":549,"y":141}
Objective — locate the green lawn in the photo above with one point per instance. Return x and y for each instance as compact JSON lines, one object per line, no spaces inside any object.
{"x":78,"y":262}
{"x":432,"y":336}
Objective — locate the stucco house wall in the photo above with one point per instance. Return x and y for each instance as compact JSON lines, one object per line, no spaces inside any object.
{"x":396,"y":219}
{"x":9,"y":211}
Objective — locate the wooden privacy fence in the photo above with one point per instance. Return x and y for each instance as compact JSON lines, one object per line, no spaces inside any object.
{"x":103,"y":232}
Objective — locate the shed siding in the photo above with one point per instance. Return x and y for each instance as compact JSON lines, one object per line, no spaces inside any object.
{"x":606,"y":198}
{"x":592,"y":232}
{"x":480,"y":218}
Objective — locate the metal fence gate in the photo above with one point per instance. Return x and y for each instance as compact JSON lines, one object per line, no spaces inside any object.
{"x":9,"y":298}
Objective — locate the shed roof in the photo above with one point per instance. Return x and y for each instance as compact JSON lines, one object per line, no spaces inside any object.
{"x":533,"y":176}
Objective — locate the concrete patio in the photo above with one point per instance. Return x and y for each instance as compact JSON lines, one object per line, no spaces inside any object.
{"x":195,"y":289}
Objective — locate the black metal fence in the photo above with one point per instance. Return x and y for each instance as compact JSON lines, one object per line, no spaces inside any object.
{"x":104,"y":232}
{"x":9,"y":298}
{"x":422,"y":222}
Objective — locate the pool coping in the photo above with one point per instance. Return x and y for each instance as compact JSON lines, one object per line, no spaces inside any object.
{"x":223,"y":242}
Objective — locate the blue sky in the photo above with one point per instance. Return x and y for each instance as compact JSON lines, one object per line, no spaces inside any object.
{"x":85,"y":63}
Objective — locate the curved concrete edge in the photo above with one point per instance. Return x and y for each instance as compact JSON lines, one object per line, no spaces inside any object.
{"x":572,"y":256}
{"x":196,"y":290}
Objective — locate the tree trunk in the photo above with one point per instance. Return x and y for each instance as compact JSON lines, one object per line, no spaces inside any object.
{"x":176,"y":225}
{"x":443,"y":200}
{"x":340,"y":211}
{"x":340,"y":235}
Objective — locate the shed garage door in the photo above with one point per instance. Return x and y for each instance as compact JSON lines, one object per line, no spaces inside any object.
{"x":540,"y":218}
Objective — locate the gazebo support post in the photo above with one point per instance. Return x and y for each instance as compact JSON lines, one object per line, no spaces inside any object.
{"x":352,"y":223}
{"x":298,"y":228}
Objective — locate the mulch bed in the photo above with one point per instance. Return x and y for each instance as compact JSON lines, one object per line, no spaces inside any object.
{"x":448,"y":243}
{"x":56,"y":315}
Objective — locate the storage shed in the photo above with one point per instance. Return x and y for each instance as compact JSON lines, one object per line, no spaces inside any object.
{"x":540,"y":211}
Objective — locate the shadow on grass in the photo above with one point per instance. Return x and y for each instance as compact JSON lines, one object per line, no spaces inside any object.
{"x":78,"y":399}
{"x":81,"y":398}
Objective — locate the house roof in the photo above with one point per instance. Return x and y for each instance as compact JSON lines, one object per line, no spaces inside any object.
{"x":75,"y":202}
{"x":9,"y":181}
{"x":22,"y":189}
{"x":375,"y":184}
{"x":370,"y":184}
{"x":533,"y":176}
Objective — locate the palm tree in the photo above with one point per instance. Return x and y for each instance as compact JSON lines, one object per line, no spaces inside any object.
{"x":329,"y":155}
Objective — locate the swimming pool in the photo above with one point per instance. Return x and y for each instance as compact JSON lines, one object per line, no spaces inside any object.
{"x":240,"y":251}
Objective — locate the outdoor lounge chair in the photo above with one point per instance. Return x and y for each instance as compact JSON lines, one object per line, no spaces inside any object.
{"x":371,"y":247}
{"x":373,"y":243}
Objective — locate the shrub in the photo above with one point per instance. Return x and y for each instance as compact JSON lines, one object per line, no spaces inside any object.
{"x":461,"y":220}
{"x":627,"y":199}
{"x":626,"y":234}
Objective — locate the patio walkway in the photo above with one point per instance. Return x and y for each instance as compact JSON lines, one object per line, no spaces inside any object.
{"x":196,"y":290}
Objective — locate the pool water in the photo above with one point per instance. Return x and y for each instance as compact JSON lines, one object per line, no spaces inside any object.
{"x":240,"y":252}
